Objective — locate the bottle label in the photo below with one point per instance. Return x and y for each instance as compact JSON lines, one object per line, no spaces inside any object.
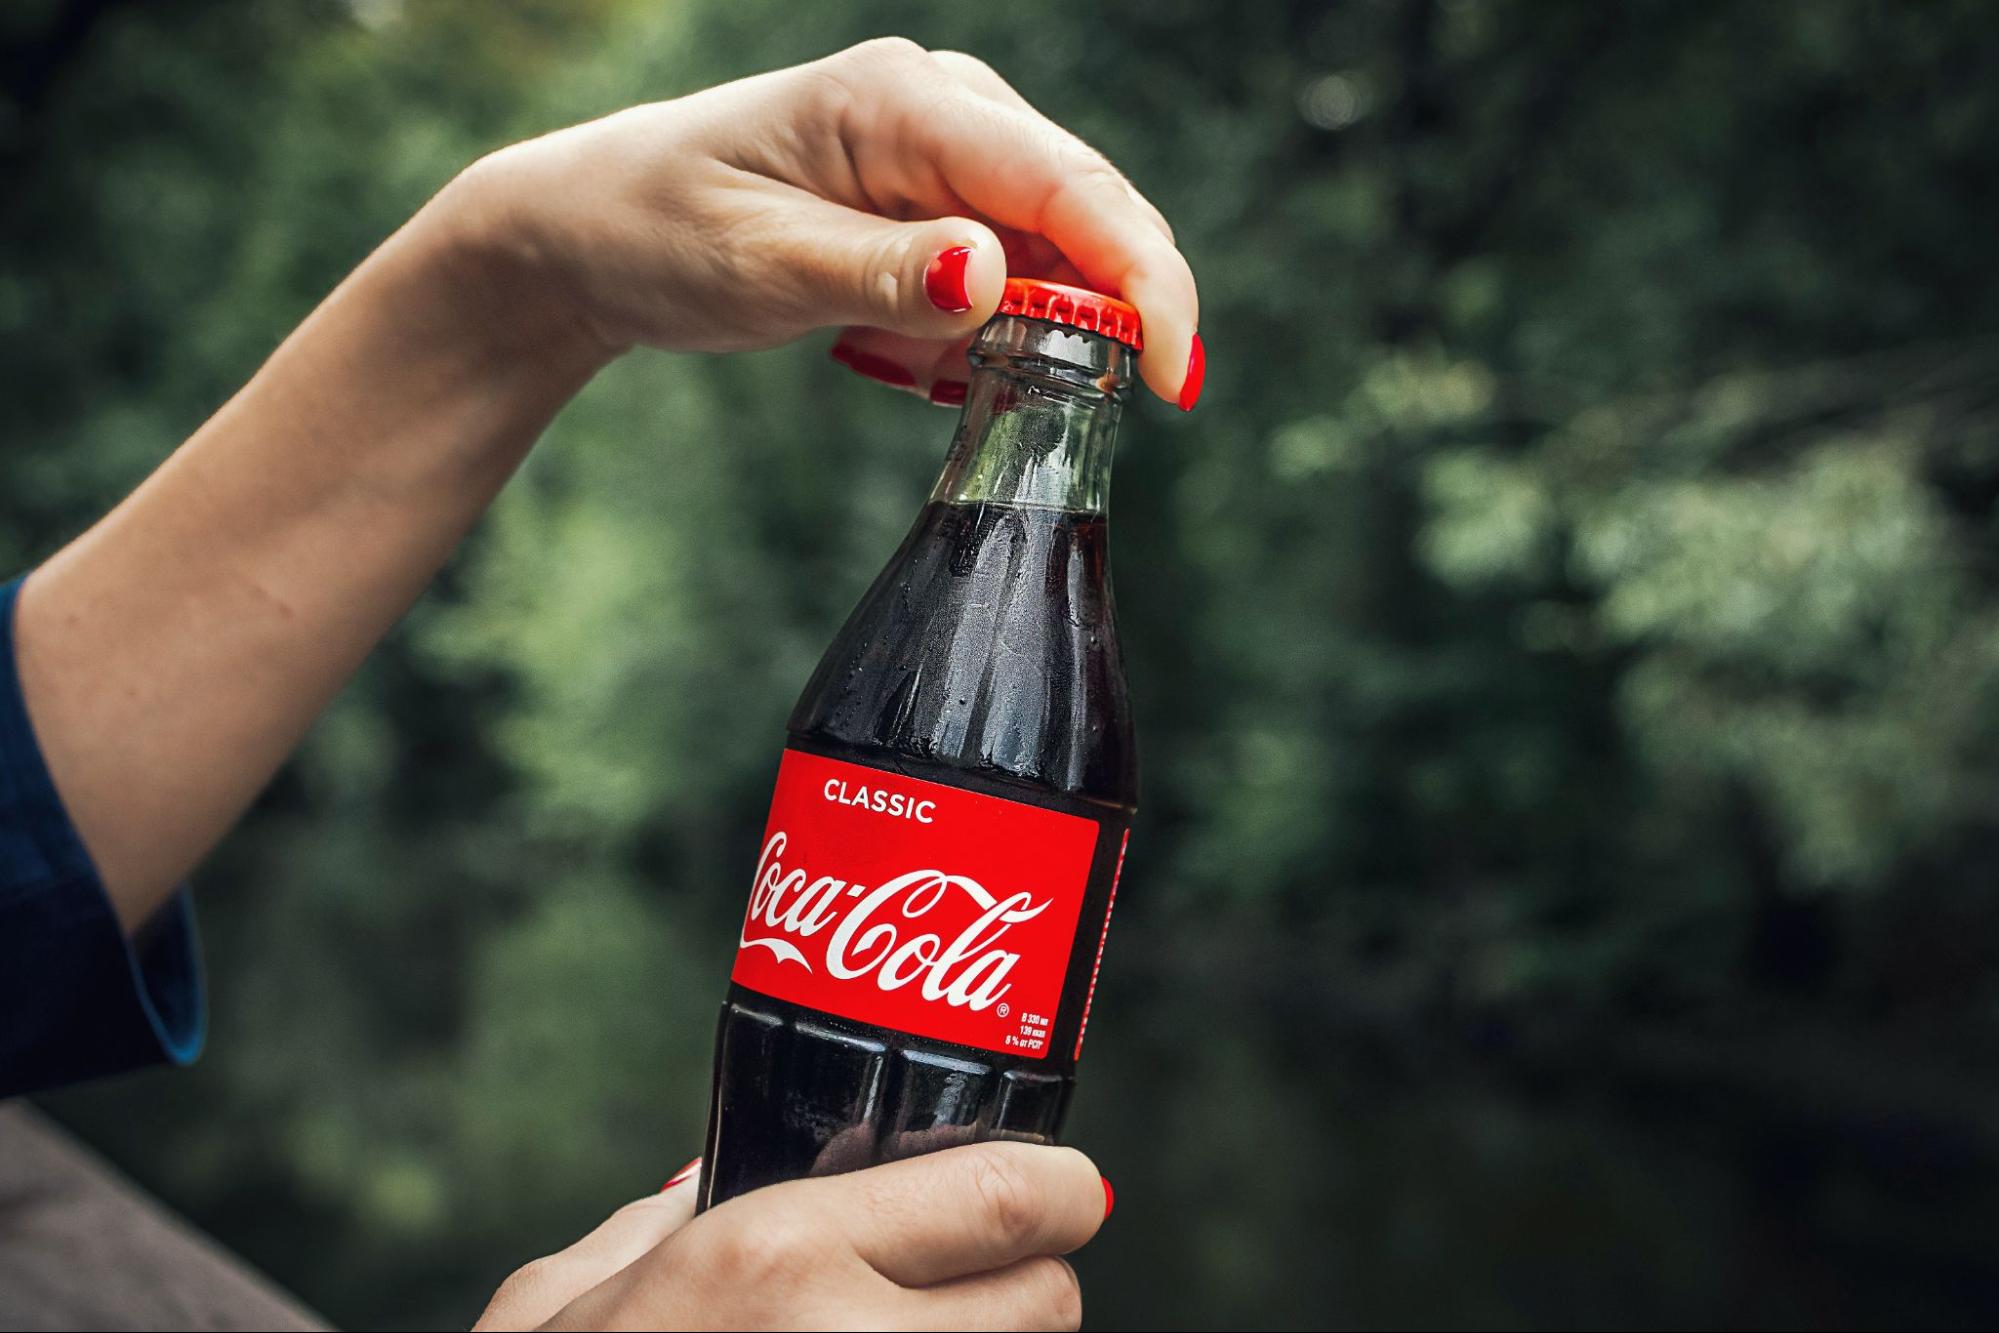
{"x":906,"y":904}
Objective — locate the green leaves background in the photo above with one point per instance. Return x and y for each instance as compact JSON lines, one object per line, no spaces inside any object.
{"x":1566,"y":645}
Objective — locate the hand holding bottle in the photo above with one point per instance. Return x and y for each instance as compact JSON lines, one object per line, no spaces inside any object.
{"x":886,"y":186}
{"x":970,"y":1238}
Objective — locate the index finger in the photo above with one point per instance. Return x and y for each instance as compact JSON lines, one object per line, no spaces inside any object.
{"x":969,"y":1210}
{"x":982,"y":78}
{"x":1025,"y":173}
{"x":1016,"y":167}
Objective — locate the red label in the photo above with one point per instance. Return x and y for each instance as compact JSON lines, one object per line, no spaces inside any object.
{"x":911,"y":905}
{"x":1090,"y":995}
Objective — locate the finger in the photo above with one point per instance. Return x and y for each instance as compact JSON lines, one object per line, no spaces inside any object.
{"x":1034,"y":1293}
{"x":922,"y":140}
{"x":981,"y":78}
{"x":937,"y":279}
{"x":927,"y":368}
{"x":1149,"y":272}
{"x":984,"y":80}
{"x":968,"y":1210}
{"x":537,"y":1292}
{"x":1030,"y":256}
{"x":1026,"y":174}
{"x":636,"y":1228}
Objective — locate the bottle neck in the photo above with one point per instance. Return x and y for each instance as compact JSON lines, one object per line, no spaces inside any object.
{"x":1040,"y":418}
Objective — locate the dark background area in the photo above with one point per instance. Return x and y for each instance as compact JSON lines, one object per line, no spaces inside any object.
{"x":1565,"y":640}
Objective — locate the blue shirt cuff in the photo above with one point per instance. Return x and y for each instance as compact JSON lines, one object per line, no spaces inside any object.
{"x":77,"y":998}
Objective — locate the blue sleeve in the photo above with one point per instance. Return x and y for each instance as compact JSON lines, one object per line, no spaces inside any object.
{"x":77,"y":1000}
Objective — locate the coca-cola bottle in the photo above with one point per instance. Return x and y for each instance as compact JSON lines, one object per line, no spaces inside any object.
{"x":934,"y":886}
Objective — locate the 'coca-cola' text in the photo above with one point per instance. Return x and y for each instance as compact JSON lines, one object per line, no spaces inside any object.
{"x":957,"y":928}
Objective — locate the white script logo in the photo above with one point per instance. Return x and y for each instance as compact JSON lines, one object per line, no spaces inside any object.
{"x":863,"y":928}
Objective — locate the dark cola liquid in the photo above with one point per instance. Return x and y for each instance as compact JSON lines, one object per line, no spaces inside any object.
{"x":985,"y":657}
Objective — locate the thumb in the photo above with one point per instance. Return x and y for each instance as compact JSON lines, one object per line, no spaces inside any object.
{"x":938,"y":279}
{"x":963,"y":1210}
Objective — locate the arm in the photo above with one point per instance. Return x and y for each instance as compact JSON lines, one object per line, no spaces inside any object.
{"x":175,"y":653}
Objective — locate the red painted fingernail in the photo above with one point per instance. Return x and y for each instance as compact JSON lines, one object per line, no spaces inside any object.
{"x":1110,"y":1196}
{"x":1197,"y":373}
{"x":944,"y":280}
{"x":948,"y":393}
{"x":874,"y":367}
{"x":682,"y":1174}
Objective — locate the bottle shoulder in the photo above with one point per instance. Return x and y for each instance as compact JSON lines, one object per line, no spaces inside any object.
{"x":987,"y":648}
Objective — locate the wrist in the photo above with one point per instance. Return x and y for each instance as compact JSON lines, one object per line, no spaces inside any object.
{"x":515,"y":294}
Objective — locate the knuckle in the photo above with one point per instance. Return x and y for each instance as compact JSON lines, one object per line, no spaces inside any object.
{"x":754,"y":1254}
{"x":1006,"y":1195}
{"x":826,"y":97}
{"x":524,"y":1282}
{"x":656,"y":1206}
{"x":1158,"y":270}
{"x":966,"y":60}
{"x":1085,"y":163}
{"x":1094,"y":170}
{"x":885,"y":53}
{"x":879,"y":84}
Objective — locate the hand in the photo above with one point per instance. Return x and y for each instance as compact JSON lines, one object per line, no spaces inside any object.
{"x":966,"y":1238}
{"x":749,"y":214}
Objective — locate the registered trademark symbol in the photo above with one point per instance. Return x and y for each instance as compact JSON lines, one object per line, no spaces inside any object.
{"x":1004,"y":1009}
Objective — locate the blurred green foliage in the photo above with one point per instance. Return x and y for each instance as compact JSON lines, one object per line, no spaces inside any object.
{"x":1566,"y":643}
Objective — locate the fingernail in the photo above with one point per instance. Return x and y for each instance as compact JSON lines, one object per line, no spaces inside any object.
{"x":1197,"y":373}
{"x":1110,"y":1196}
{"x":682,"y":1174}
{"x":948,"y":393}
{"x":874,"y":367}
{"x":944,"y":280}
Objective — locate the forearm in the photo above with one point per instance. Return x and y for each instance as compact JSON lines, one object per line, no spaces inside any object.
{"x":174,"y":654}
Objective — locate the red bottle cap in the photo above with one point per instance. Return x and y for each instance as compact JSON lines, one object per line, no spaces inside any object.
{"x":1031,"y":298}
